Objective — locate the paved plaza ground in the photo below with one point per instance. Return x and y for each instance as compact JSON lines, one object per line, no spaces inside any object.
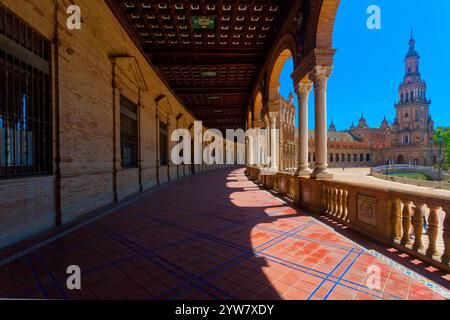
{"x":216,"y":236}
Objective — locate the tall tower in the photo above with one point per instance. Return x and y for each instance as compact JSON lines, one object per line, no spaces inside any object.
{"x":414,"y":125}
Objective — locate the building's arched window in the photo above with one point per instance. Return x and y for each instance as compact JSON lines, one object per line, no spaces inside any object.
{"x":355,"y":157}
{"x":406,"y":115}
{"x":331,"y":157}
{"x":337,"y":157}
{"x":368,"y":157}
{"x":361,"y":157}
{"x":314,"y":157}
{"x":343,"y":158}
{"x":349,"y":158}
{"x":406,"y":139}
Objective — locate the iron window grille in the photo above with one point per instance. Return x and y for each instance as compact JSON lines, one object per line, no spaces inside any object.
{"x":25,"y":99}
{"x":163,"y":144}
{"x":128,"y":133}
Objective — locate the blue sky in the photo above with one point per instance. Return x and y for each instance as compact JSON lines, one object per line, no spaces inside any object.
{"x":369,"y":66}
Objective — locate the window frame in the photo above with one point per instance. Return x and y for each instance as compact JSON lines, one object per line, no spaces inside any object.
{"x":26,"y":145}
{"x":163,"y":132}
{"x":129,"y":119}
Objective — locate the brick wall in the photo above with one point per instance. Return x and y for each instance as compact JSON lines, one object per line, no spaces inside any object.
{"x":86,"y":116}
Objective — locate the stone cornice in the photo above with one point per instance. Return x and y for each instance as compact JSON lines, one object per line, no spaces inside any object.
{"x":316,"y":57}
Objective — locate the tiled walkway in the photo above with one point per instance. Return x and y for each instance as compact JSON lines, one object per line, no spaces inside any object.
{"x":212,"y":236}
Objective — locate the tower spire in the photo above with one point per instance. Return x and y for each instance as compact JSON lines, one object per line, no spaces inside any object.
{"x":412,"y":42}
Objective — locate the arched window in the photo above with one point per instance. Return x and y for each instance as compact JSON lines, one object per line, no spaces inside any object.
{"x":343,"y":157}
{"x":355,"y":157}
{"x":349,"y":158}
{"x":331,"y":157}
{"x":361,"y":157}
{"x":337,"y":157}
{"x":368,"y":157}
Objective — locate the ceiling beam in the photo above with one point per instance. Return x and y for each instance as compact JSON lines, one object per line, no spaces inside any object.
{"x":225,"y":117}
{"x":202,"y":63}
{"x":211,"y":90}
{"x":217,"y":107}
{"x":223,"y":52}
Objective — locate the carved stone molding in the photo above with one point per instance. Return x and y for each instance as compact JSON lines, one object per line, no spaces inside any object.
{"x":320,"y":76}
{"x":303,"y":88}
{"x":163,"y":108}
{"x":316,"y":57}
{"x":127,"y":69}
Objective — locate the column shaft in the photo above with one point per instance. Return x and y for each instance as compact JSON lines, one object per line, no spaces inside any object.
{"x":304,"y":88}
{"x":320,"y":77}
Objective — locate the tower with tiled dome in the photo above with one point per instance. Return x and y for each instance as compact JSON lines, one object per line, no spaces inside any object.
{"x":413,"y":125}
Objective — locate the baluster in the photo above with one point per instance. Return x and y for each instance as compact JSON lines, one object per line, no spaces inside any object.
{"x":326,"y":197}
{"x":417,"y":222}
{"x":446,"y":235}
{"x":340,"y":212}
{"x":406,"y":223}
{"x":335,"y":203}
{"x":396,"y":219}
{"x":344,"y":205}
{"x":330,"y":200}
{"x":432,"y":231}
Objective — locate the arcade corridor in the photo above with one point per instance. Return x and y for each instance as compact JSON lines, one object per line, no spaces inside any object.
{"x":212,"y":236}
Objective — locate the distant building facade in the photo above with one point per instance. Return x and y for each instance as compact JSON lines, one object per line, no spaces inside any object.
{"x":409,"y":140}
{"x":287,"y":133}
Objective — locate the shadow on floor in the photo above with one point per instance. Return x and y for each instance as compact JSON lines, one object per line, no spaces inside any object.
{"x":212,"y":236}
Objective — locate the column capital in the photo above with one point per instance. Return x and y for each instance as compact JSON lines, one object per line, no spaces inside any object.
{"x":257,"y":124}
{"x":320,"y":75}
{"x":273,"y":115}
{"x":303,"y":88}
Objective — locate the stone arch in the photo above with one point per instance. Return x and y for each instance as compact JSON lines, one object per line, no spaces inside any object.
{"x":321,"y":24}
{"x":325,"y":25}
{"x":400,"y":159}
{"x":275,"y":73}
{"x":257,"y":107}
{"x":249,"y":119}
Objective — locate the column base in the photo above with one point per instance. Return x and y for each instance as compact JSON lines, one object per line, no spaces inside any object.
{"x":269,"y":171}
{"x":321,"y":174}
{"x":303,"y":172}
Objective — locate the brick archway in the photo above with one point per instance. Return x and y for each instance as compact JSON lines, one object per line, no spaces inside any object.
{"x":274,"y":78}
{"x":257,"y":107}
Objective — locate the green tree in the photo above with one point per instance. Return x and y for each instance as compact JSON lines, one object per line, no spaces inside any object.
{"x":444,"y":134}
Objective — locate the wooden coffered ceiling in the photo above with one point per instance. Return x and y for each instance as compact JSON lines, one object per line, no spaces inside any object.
{"x":211,"y":64}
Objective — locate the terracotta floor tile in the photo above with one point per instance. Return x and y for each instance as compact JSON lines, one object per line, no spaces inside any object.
{"x":213,"y":236}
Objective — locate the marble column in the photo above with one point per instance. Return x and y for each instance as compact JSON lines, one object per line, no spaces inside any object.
{"x":274,"y":143}
{"x":250,"y":147}
{"x":320,"y":77}
{"x":303,"y":90}
{"x":256,"y":146}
